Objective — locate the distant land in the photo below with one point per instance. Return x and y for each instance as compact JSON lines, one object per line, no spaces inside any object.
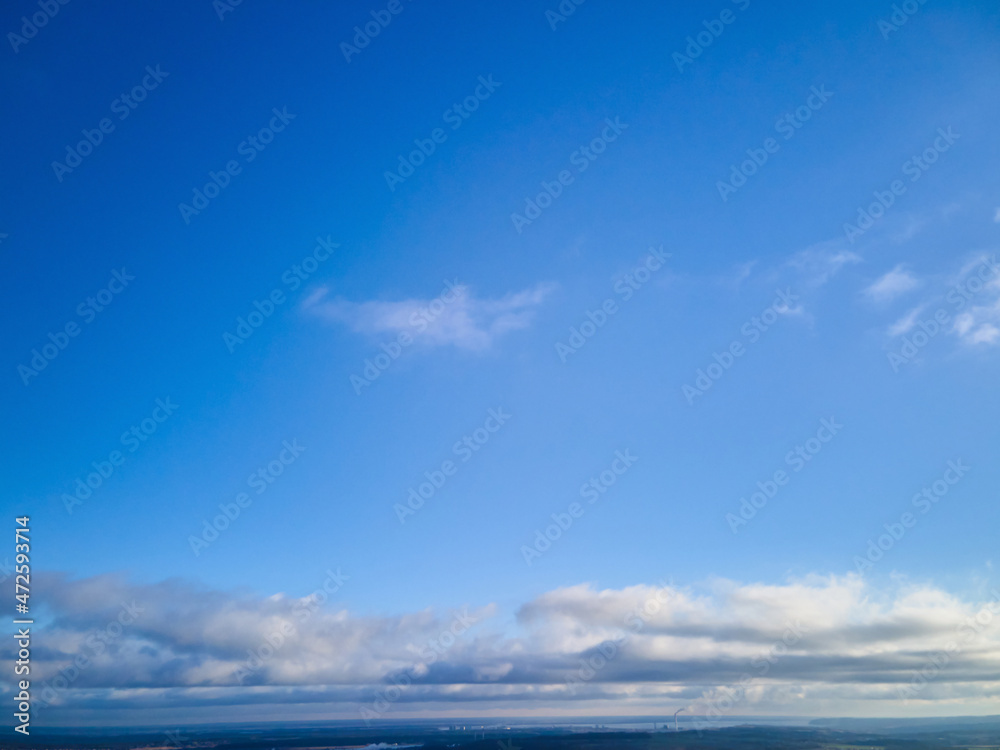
{"x":601,"y":733}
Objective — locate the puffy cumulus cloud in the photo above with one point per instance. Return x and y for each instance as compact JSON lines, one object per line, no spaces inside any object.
{"x":810,"y":646}
{"x":893,"y":284}
{"x":456,"y":317}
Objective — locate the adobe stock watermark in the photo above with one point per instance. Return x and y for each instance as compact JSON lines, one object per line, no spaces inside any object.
{"x":259,"y":481}
{"x":434,"y":649}
{"x":796,"y":460}
{"x":132,"y":439}
{"x":915,"y":167}
{"x":97,"y":643}
{"x":273,"y":642}
{"x":419,"y":321}
{"x":88,"y":310}
{"x":591,"y":491}
{"x":607,"y":651}
{"x":562,"y":12}
{"x":723,"y":700}
{"x":705,"y":39}
{"x":455,"y":116}
{"x":960,"y":295}
{"x":123,"y":107}
{"x":753,"y":329}
{"x":222,"y":7}
{"x":293,"y":277}
{"x":249,"y":149}
{"x":901,"y":13}
{"x":176,"y":738}
{"x":363,"y":35}
{"x":787,"y":125}
{"x":581,"y":158}
{"x":923,"y":501}
{"x":47,"y":10}
{"x":464,"y":448}
{"x":970,"y":630}
{"x":625,"y":287}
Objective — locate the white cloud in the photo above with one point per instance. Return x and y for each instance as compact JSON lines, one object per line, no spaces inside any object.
{"x":456,"y":317}
{"x":996,"y":216}
{"x":978,"y":287}
{"x":971,"y":300}
{"x":819,"y":263}
{"x":896,"y":282}
{"x":973,"y":327}
{"x":855,"y":647}
{"x":906,"y":323}
{"x":987,"y":333}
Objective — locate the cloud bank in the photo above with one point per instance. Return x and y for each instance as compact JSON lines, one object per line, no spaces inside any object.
{"x":809,"y":647}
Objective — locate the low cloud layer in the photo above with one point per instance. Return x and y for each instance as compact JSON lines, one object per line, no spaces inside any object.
{"x":815,"y":646}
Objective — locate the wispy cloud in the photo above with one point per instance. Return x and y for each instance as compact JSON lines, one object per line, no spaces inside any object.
{"x":819,"y":263}
{"x":979,"y":324}
{"x":456,"y":317}
{"x":976,"y":288}
{"x":905,"y":324}
{"x":895,"y":283}
{"x":969,"y":300}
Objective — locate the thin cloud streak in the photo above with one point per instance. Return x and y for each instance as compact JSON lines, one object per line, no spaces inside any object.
{"x":456,"y":317}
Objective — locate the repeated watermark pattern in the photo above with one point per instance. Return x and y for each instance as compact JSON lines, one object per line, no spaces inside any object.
{"x":293,"y":278}
{"x":88,"y":310}
{"x":923,"y":502}
{"x":465,"y":448}
{"x":430,"y":652}
{"x":132,"y":440}
{"x":915,"y":167}
{"x":626,"y":288}
{"x":419,"y":321}
{"x":249,"y":149}
{"x":901,"y":14}
{"x":796,"y":460}
{"x":752,"y":331}
{"x":455,"y":116}
{"x":929,"y":325}
{"x":30,"y":25}
{"x":705,"y":38}
{"x":581,"y":160}
{"x":259,"y":481}
{"x":591,"y":491}
{"x":365,"y":33}
{"x":786,"y":126}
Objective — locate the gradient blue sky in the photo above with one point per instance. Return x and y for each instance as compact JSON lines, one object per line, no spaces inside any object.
{"x":656,"y":185}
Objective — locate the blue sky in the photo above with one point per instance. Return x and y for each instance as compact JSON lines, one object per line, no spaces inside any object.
{"x":497,"y":296}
